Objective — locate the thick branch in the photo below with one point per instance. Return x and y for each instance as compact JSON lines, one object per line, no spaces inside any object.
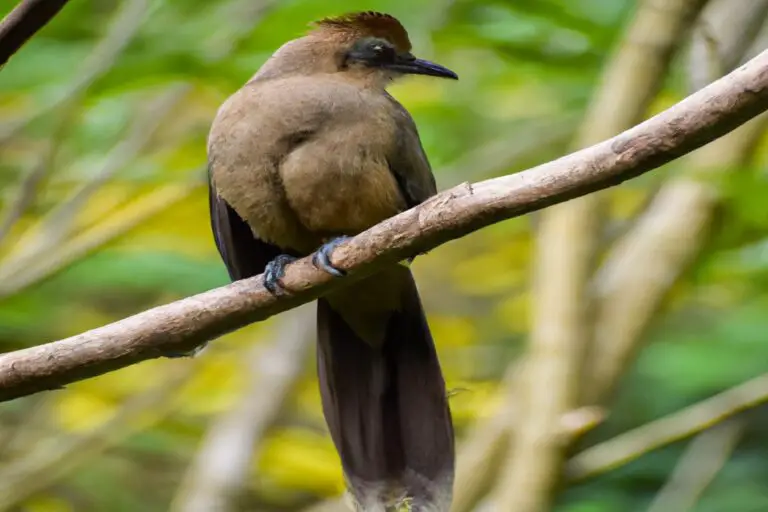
{"x":182,"y":325}
{"x":23,"y":22}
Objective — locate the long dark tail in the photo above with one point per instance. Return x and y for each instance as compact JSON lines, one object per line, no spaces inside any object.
{"x":387,"y":409}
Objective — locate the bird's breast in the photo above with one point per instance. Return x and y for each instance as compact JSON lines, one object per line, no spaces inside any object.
{"x":340,"y":183}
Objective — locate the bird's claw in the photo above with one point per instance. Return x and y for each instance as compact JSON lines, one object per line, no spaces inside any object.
{"x":274,"y":271}
{"x":322,"y":258}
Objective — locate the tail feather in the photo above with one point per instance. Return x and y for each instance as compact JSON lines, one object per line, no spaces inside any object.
{"x":387,"y":409}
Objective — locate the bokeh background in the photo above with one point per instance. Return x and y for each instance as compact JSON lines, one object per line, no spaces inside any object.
{"x":103,"y":214}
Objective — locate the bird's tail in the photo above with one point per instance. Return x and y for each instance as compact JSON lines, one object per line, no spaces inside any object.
{"x":387,"y":409}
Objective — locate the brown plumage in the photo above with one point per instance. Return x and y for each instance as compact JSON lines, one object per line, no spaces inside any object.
{"x":313,"y":148}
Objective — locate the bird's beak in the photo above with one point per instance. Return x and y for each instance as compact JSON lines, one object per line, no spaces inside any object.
{"x":413,"y":66}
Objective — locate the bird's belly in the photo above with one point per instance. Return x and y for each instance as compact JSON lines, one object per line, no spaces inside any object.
{"x":340,"y":196}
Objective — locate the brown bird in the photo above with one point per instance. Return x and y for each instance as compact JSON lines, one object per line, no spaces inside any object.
{"x":311,"y":150}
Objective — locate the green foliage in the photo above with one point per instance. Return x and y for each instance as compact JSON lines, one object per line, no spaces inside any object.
{"x":525,"y":66}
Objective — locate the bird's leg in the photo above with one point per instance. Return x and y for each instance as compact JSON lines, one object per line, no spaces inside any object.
{"x":274,"y":271}
{"x":322,"y":258}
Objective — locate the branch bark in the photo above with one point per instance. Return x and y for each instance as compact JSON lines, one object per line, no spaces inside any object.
{"x":645,"y":263}
{"x":23,"y":22}
{"x":184,"y":324}
{"x":564,"y":260}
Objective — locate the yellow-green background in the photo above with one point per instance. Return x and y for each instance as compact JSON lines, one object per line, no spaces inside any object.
{"x":141,"y":238}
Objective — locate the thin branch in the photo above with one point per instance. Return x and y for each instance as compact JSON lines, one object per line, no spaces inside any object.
{"x":498,"y":155}
{"x":219,"y":474}
{"x":23,"y":22}
{"x":647,"y":261}
{"x":245,"y":16}
{"x":480,"y":455}
{"x":726,"y":31}
{"x":116,"y":224}
{"x":698,"y":467}
{"x":58,"y":457}
{"x":28,"y":188}
{"x":183,"y":325}
{"x":57,"y":224}
{"x":565,"y":255}
{"x":631,"y":445}
{"x":123,"y":27}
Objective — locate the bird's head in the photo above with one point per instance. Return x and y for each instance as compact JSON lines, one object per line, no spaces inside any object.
{"x":375,"y":42}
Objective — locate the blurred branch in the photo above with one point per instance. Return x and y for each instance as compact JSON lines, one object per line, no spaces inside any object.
{"x":183,"y":325}
{"x":724,"y":34}
{"x":699,"y":465}
{"x":564,"y":260}
{"x":38,"y":256}
{"x":23,"y":22}
{"x":480,"y":455}
{"x":29,"y":185}
{"x":116,"y":224}
{"x":498,"y":155}
{"x":246,"y":14}
{"x":57,"y":225}
{"x":56,"y":458}
{"x":219,"y":474}
{"x":629,"y":446}
{"x":122,"y":29}
{"x":647,"y":261}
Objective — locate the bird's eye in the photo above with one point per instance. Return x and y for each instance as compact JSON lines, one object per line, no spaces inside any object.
{"x":382,"y":52}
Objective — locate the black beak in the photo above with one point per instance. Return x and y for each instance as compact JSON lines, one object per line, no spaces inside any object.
{"x":413,"y":66}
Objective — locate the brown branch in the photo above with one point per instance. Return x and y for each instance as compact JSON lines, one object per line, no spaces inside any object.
{"x":23,"y":22}
{"x":668,"y":236}
{"x":693,"y":419}
{"x":565,"y":257}
{"x":184,"y":324}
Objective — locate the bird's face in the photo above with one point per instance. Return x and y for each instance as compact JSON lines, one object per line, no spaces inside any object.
{"x":380,"y":55}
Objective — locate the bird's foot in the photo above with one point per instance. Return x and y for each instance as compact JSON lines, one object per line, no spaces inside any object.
{"x":274,"y":272}
{"x":322,"y":258}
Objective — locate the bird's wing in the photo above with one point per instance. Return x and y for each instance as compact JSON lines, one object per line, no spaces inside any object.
{"x":244,"y":255}
{"x":408,"y":162}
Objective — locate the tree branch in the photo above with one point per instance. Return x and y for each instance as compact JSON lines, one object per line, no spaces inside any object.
{"x":184,"y":324}
{"x":702,"y":461}
{"x":693,"y":419}
{"x":668,"y":236}
{"x":122,"y":28}
{"x":23,"y":22}
{"x":566,"y":248}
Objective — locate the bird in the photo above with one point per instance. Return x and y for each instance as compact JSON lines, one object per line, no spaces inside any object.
{"x":313,"y":150}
